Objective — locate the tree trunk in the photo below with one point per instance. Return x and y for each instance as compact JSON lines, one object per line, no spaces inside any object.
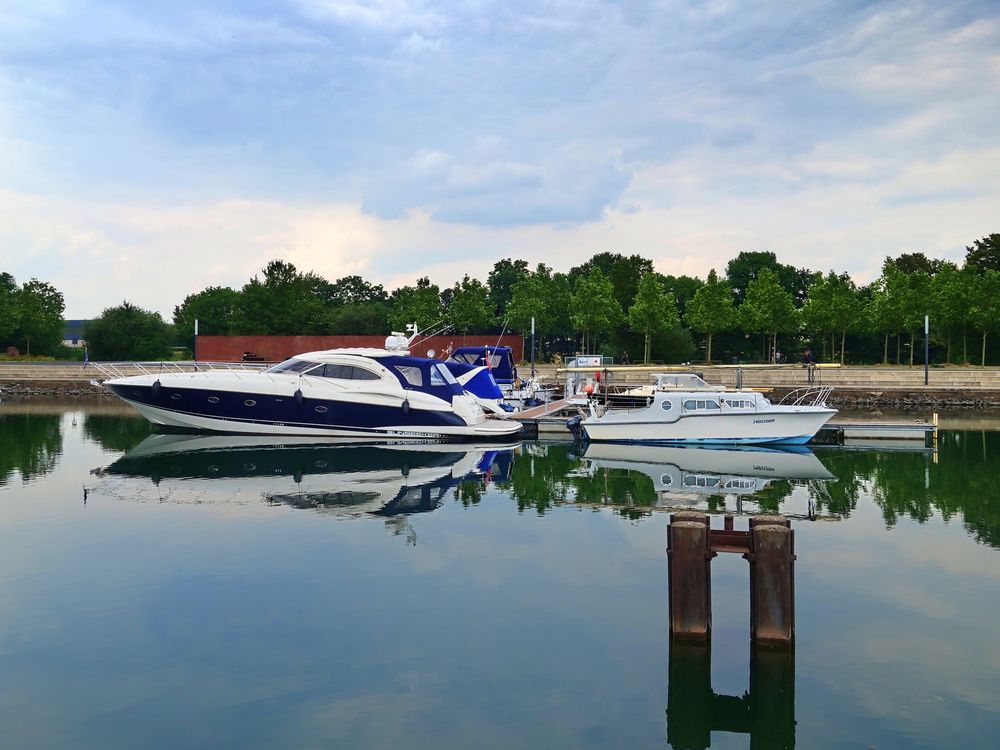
{"x":646,"y":359}
{"x":708,"y":350}
{"x":27,"y":340}
{"x":899,"y":339}
{"x":984,"y":350}
{"x":947,"y":354}
{"x":843,"y":336}
{"x":885,"y":350}
{"x":965,"y":351}
{"x":912,"y":336}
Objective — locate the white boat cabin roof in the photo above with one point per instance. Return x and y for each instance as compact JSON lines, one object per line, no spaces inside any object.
{"x":682,"y":381}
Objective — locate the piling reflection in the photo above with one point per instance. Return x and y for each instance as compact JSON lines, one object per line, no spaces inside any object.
{"x":765,"y":712}
{"x":325,"y":476}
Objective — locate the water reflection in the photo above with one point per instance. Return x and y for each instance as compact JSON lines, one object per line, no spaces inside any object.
{"x":331,"y":477}
{"x":765,"y":711}
{"x":115,"y":432}
{"x":960,"y":479}
{"x":708,"y":476}
{"x":29,"y":445}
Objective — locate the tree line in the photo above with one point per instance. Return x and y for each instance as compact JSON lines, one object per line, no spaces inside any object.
{"x":31,"y":315}
{"x":752,"y":310}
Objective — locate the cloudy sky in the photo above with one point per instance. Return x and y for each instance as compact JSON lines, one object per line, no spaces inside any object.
{"x":148,"y":150}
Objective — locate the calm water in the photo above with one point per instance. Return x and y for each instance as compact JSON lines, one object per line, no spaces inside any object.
{"x":216,"y":593}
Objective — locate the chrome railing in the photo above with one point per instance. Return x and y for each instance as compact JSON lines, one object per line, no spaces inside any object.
{"x":810,"y":395}
{"x":112,"y":370}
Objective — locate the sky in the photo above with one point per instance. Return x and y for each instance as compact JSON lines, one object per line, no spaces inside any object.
{"x":150,"y":150}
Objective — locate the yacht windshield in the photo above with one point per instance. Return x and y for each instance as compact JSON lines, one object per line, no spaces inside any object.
{"x":292,"y":365}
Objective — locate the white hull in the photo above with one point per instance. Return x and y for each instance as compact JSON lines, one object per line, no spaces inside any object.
{"x":794,"y":425}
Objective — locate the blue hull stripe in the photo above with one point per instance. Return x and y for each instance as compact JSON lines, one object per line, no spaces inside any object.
{"x":282,"y":410}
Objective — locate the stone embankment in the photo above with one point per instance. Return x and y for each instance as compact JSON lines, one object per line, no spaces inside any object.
{"x":903,"y":387}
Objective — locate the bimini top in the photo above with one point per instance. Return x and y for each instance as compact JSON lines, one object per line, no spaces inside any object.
{"x":500,"y":360}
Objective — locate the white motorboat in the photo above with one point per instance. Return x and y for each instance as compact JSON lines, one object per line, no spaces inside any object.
{"x":361,"y":393}
{"x":683,"y":408}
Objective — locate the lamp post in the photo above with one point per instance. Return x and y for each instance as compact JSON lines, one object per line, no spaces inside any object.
{"x":927,"y":345}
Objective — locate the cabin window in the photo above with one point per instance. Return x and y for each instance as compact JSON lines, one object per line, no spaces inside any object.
{"x":712,"y":405}
{"x":446,"y":374}
{"x":701,"y":405}
{"x":690,"y":405}
{"x":411,"y":374}
{"x":666,"y":406}
{"x":292,"y":365}
{"x":344,"y":372}
{"x":436,"y":378}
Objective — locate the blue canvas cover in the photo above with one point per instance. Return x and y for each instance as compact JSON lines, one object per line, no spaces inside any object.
{"x":500,"y":364}
{"x":481,"y":384}
{"x":419,"y":374}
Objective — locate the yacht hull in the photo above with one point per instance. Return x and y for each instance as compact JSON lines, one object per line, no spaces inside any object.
{"x":270,"y":414}
{"x":777,"y":427}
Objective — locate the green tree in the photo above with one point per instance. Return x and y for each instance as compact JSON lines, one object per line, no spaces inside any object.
{"x":284,"y":302}
{"x":653,"y":309}
{"x":420,"y":304}
{"x":950,"y":304}
{"x":351,"y":290}
{"x":984,"y":254}
{"x":683,"y":288}
{"x":768,"y":309}
{"x":369,"y":318}
{"x":594,"y":307}
{"x":214,"y":308}
{"x":127,"y":332}
{"x":711,"y":310}
{"x":530,"y":299}
{"x":501,"y":281}
{"x":985,"y":312}
{"x":833,"y":306}
{"x":915,"y":302}
{"x":746,"y":266}
{"x":623,"y":271}
{"x":9,"y":316}
{"x":40,"y":309}
{"x":470,"y":308}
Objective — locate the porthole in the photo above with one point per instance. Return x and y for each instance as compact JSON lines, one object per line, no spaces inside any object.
{"x":213,"y":399}
{"x":666,"y":405}
{"x":322,"y":409}
{"x":666,"y":480}
{"x":249,"y":402}
{"x":175,"y":396}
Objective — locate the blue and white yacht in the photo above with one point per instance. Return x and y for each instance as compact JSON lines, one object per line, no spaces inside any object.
{"x":366,"y":393}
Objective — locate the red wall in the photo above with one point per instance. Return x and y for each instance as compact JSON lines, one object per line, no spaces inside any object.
{"x":277,"y":348}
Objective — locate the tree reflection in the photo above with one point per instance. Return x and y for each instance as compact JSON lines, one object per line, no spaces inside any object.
{"x":29,"y":444}
{"x":962,"y":479}
{"x":115,"y":432}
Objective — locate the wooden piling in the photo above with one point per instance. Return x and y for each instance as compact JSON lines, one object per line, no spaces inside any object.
{"x":772,"y":581}
{"x":689,"y":558}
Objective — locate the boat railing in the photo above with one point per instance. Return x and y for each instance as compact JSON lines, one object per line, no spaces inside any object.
{"x":112,"y":370}
{"x":811,"y":395}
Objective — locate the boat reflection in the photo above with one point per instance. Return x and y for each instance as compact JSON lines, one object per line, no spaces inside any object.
{"x":327,"y":476}
{"x":695,"y":476}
